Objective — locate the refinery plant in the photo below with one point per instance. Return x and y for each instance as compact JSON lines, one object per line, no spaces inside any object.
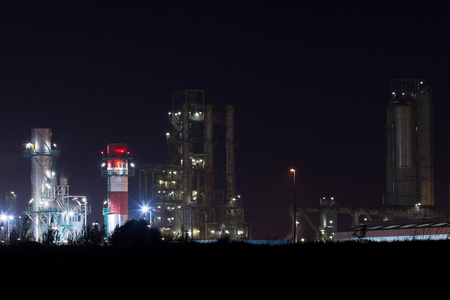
{"x":181,"y":193}
{"x":407,"y":210}
{"x":179,"y":196}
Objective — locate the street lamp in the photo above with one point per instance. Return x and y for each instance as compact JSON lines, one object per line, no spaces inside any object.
{"x":146,"y":209}
{"x":294,"y":213}
{"x":6,"y":219}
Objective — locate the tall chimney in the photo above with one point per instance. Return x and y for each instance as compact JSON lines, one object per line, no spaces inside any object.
{"x":230,"y":144}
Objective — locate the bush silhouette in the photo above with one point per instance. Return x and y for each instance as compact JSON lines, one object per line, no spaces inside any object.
{"x":135,"y":233}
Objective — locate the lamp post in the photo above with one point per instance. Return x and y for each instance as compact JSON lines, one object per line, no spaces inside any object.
{"x":148,"y":209}
{"x":294,"y":213}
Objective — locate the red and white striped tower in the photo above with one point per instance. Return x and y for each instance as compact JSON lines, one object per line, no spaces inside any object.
{"x":116,"y":168}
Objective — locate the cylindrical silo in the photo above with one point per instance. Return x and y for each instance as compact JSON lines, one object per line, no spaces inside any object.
{"x":405,"y":145}
{"x":409,"y":144}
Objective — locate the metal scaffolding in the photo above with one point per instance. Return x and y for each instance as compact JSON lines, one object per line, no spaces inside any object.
{"x":181,"y":193}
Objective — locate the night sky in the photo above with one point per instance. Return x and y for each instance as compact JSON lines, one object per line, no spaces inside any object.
{"x":309,"y":80}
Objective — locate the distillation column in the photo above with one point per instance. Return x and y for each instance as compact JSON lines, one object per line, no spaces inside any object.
{"x":51,"y":208}
{"x":409,"y":139}
{"x":41,"y":156}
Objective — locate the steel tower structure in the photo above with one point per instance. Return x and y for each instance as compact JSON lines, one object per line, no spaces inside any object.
{"x":52,"y":209}
{"x":182,"y":192}
{"x":116,"y":168}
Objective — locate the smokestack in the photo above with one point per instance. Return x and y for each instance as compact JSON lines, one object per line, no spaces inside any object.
{"x":230,"y":145}
{"x":209,"y":157}
{"x":116,"y":169}
{"x":425,"y":137}
{"x":185,"y":155}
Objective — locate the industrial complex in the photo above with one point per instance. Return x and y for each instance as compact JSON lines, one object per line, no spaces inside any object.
{"x":181,"y":196}
{"x":407,"y":210}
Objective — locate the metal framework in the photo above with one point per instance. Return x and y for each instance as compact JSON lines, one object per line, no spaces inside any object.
{"x":181,"y":193}
{"x":370,"y":214}
{"x":160,"y":189}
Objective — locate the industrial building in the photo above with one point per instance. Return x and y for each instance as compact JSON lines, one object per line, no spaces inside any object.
{"x":181,"y":194}
{"x":52,"y":209}
{"x":409,"y":197}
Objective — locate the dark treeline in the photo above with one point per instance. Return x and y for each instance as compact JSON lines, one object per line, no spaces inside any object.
{"x":135,"y":246}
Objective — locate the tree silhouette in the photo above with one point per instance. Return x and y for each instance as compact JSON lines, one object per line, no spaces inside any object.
{"x":135,"y":233}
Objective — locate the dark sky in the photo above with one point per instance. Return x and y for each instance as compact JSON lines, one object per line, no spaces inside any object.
{"x":309,"y":80}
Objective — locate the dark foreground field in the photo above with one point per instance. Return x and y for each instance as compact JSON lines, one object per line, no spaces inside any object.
{"x":224,"y":254}
{"x":186,"y":268}
{"x":225,"y":270}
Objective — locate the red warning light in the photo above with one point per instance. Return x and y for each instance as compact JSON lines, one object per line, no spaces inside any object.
{"x":116,"y":149}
